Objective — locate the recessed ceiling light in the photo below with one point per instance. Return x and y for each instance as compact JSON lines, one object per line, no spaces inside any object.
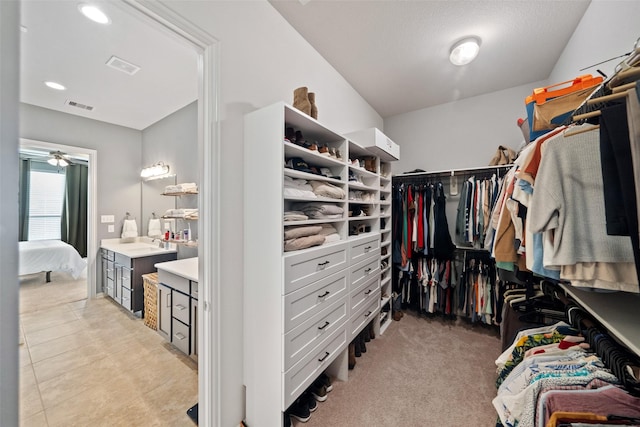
{"x":464,"y":51}
{"x":93,"y":13}
{"x":54,"y":85}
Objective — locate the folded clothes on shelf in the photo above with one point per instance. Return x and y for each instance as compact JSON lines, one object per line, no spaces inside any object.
{"x":187,"y":187}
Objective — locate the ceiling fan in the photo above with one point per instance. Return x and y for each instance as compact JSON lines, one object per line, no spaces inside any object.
{"x":58,"y":158}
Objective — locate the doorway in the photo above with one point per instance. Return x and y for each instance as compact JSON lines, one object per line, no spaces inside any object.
{"x":205,"y":46}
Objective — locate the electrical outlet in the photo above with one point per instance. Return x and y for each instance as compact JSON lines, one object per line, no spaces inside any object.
{"x":111,"y":228}
{"x":107,"y":219}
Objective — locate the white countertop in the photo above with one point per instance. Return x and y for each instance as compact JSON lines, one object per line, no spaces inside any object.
{"x":142,"y":247}
{"x":187,"y":267}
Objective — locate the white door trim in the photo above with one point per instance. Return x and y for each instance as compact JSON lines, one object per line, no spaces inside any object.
{"x":209,"y":203}
{"x":92,"y":203}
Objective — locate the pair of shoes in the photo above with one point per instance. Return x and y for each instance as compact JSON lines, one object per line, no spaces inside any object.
{"x":299,"y":410}
{"x":318,"y":390}
{"x":372,"y":331}
{"x":397,"y":315}
{"x":324,"y":150}
{"x":326,"y":380}
{"x":289,"y":135}
{"x":310,"y":401}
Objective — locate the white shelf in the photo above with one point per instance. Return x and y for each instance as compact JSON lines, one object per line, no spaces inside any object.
{"x":385,"y":323}
{"x":354,"y":185}
{"x":313,"y":221}
{"x":293,"y":173}
{"x":618,"y":312}
{"x":385,"y":281}
{"x":385,"y":301}
{"x":363,"y":218}
{"x":313,"y":199}
{"x":312,"y":157}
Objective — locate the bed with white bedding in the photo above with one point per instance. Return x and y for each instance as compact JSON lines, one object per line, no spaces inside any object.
{"x":50,"y":255}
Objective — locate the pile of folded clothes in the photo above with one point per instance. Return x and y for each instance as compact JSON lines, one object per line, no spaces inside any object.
{"x":318,"y":210}
{"x":306,"y":236}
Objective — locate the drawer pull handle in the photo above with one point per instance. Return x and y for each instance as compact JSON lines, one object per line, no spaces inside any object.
{"x":367,"y":314}
{"x":326,"y":354}
{"x":322,"y":265}
{"x":180,"y":307}
{"x":368,"y":291}
{"x":324,"y":295}
{"x":367,"y":270}
{"x":180,"y":336}
{"x":168,"y":300}
{"x":367,"y":249}
{"x":323,"y":326}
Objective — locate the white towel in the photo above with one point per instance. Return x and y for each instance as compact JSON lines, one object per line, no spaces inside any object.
{"x":129,"y":229}
{"x":154,"y":228}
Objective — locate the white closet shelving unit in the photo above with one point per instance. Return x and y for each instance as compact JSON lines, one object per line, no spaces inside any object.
{"x":302,"y":308}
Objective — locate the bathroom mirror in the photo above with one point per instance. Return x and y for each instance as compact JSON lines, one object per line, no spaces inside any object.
{"x":153,"y":202}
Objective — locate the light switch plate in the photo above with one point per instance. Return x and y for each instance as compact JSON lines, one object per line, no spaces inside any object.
{"x":107,"y":219}
{"x":111,"y":228}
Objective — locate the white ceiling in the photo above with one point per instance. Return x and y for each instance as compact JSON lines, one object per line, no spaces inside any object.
{"x":60,"y":44}
{"x":395,"y":53}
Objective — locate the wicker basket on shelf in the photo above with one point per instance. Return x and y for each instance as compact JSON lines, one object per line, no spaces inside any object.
{"x":151,"y":300}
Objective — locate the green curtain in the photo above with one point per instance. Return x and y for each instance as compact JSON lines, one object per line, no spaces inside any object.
{"x":73,"y":229}
{"x":23,"y":199}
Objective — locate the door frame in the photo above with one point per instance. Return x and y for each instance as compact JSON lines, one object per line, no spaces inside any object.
{"x":207,"y":48}
{"x":92,"y":202}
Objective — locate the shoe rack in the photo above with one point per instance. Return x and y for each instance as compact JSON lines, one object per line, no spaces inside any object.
{"x":303,"y":307}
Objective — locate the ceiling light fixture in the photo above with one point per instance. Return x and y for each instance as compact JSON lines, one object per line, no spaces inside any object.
{"x":464,"y":51}
{"x":93,"y":13}
{"x":158,"y":170}
{"x":58,"y":159}
{"x":55,"y":85}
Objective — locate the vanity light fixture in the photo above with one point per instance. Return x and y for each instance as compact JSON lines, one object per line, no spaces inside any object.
{"x":464,"y":51}
{"x":54,"y":85}
{"x":94,"y":13}
{"x":157,"y":170}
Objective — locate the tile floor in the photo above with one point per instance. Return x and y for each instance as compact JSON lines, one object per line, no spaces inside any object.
{"x":89,"y":362}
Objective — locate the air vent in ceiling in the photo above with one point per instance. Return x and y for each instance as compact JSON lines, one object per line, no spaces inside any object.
{"x":78,"y":105}
{"x":122,"y":65}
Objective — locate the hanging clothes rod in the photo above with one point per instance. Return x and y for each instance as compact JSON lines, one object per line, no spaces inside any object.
{"x":454,"y":172}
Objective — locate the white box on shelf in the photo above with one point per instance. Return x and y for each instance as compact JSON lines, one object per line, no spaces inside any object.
{"x":377,"y":142}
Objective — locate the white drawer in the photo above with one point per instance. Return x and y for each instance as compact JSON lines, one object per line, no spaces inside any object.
{"x":174,"y":281}
{"x":360,"y":296}
{"x":180,"y":308}
{"x":307,"y":267}
{"x":180,"y":335}
{"x":364,"y":248}
{"x":304,"y":303}
{"x":358,"y":321}
{"x":298,"y":378}
{"x":363,"y":271}
{"x":303,"y":339}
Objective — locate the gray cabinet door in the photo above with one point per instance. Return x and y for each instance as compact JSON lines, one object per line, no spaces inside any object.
{"x":164,"y":311}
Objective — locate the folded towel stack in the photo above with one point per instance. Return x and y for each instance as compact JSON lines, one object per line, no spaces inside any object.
{"x":317,"y":210}
{"x":306,"y":236}
{"x":187,"y":187}
{"x":181,"y":213}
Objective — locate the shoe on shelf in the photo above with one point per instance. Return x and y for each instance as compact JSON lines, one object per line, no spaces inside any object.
{"x":299,"y":410}
{"x":319,"y":391}
{"x":324,"y":150}
{"x":326,"y":380}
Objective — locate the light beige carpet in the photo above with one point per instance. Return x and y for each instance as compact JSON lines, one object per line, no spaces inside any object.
{"x":420,"y":373}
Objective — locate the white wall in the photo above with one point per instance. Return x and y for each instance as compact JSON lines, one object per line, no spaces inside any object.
{"x":119,"y":157}
{"x":462,"y":134}
{"x":262,"y":60}
{"x":9,"y":84}
{"x":608,"y":29}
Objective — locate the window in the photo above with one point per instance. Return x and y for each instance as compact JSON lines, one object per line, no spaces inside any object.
{"x":45,"y":202}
